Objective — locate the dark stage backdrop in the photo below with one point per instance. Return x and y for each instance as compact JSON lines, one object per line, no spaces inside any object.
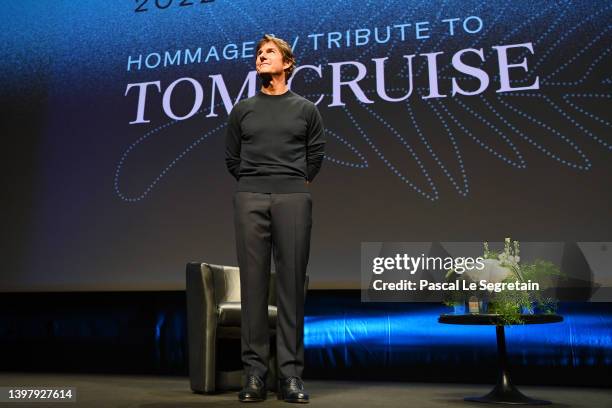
{"x":446,"y":121}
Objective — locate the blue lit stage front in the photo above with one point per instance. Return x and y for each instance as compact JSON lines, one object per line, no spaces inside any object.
{"x":405,"y":341}
{"x":145,"y":332}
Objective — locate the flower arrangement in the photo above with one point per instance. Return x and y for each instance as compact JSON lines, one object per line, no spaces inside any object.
{"x":506,"y":266}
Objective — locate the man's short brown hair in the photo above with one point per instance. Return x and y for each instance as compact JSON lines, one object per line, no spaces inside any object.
{"x":285,"y":50}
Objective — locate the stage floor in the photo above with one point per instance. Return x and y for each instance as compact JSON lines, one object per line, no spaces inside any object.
{"x":120,"y":391}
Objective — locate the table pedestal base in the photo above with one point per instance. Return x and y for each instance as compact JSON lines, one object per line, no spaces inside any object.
{"x":504,"y":391}
{"x":499,"y":398}
{"x":507,"y":394}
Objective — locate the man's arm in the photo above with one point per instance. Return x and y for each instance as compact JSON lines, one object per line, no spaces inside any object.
{"x":232,"y":143}
{"x":315,"y":143}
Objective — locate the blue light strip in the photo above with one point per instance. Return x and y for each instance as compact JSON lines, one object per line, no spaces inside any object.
{"x":583,"y":338}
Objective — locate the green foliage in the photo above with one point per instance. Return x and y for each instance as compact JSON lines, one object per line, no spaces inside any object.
{"x":540,"y":271}
{"x":454,"y":298}
{"x":509,"y":303}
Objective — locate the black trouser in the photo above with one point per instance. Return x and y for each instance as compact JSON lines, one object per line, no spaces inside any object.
{"x":282,"y":223}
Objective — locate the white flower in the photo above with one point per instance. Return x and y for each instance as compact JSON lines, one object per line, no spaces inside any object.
{"x":493,"y":271}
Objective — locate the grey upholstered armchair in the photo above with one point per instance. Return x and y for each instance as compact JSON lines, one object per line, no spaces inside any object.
{"x":213,"y":313}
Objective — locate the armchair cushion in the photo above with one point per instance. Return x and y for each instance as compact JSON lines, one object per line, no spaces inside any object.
{"x":229,"y":314}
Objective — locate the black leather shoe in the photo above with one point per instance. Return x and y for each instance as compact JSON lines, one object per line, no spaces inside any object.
{"x":292,"y":390}
{"x":254,"y":390}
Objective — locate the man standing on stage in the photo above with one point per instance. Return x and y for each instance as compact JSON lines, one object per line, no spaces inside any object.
{"x":274,"y":147}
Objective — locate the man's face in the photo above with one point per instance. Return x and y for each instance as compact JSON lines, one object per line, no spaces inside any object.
{"x":269,"y":60}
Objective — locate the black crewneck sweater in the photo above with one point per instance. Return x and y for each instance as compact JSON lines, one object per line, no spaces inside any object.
{"x":274,"y":143}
